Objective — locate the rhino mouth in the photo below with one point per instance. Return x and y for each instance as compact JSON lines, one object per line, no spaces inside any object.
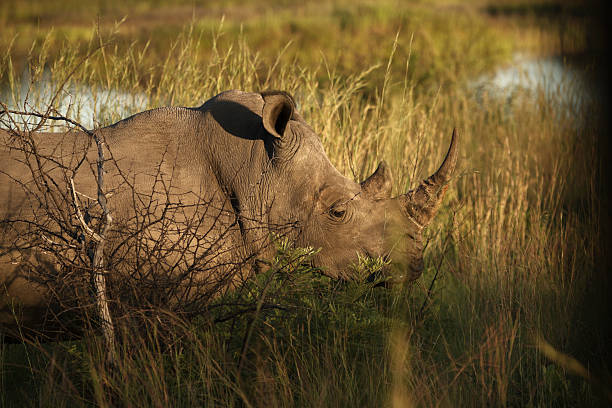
{"x":392,"y":275}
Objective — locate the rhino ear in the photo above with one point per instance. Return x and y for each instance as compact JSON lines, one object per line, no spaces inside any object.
{"x":378,"y":185}
{"x":277,"y":111}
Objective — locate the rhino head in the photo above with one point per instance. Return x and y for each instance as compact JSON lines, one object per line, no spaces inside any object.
{"x":345,"y":219}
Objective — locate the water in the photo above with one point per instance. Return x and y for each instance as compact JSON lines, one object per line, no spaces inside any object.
{"x":527,"y":77}
{"x":95,"y":106}
{"x":90,"y":106}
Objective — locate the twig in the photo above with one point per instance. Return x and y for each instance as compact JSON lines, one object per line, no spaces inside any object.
{"x":98,"y":273}
{"x":433,"y":281}
{"x":79,"y":215}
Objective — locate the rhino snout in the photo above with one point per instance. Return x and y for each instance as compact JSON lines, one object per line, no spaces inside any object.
{"x":416,"y":268}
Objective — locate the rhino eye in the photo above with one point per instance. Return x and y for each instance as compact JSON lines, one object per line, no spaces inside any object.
{"x":338,"y":211}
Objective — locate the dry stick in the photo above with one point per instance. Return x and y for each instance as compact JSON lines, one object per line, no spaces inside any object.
{"x":79,"y":214}
{"x":98,"y":261}
{"x":98,"y":278}
{"x":47,"y":117}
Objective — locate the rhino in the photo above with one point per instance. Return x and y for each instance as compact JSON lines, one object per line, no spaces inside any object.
{"x":216,"y":184}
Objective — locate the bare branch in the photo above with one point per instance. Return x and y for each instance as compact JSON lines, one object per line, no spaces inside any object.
{"x":79,"y":214}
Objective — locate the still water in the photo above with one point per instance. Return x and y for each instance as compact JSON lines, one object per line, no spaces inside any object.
{"x":92,"y":106}
{"x":524,"y":77}
{"x":550,"y":78}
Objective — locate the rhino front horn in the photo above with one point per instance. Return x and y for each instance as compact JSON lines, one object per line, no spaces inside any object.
{"x":423,"y":202}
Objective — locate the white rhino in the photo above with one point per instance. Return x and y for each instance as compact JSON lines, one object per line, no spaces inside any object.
{"x":196,"y":195}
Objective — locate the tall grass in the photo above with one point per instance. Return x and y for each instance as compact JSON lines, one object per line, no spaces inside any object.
{"x":445,"y":45}
{"x":509,"y":259}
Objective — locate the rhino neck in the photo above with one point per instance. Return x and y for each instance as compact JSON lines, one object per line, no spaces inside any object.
{"x":222,"y":159}
{"x":246,"y":183}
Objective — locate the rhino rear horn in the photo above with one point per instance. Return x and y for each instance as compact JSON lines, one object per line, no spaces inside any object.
{"x":378,"y":185}
{"x":278,"y":110}
{"x":423,"y":202}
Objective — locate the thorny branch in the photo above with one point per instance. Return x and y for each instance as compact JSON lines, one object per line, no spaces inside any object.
{"x":97,"y":262}
{"x":170,"y":252}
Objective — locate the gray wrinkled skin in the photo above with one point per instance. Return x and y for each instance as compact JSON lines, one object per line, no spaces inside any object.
{"x":246,"y":165}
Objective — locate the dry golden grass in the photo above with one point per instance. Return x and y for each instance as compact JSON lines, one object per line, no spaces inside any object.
{"x":513,"y":252}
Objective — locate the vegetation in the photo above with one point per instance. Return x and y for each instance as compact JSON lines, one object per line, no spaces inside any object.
{"x":510,"y":289}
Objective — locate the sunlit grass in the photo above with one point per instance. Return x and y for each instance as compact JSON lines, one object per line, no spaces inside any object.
{"x":444,"y":44}
{"x":512,"y":250}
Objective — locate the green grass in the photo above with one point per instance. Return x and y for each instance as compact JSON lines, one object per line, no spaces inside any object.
{"x":513,"y":248}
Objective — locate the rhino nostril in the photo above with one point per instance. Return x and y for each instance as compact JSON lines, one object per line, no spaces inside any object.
{"x":417,"y":267}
